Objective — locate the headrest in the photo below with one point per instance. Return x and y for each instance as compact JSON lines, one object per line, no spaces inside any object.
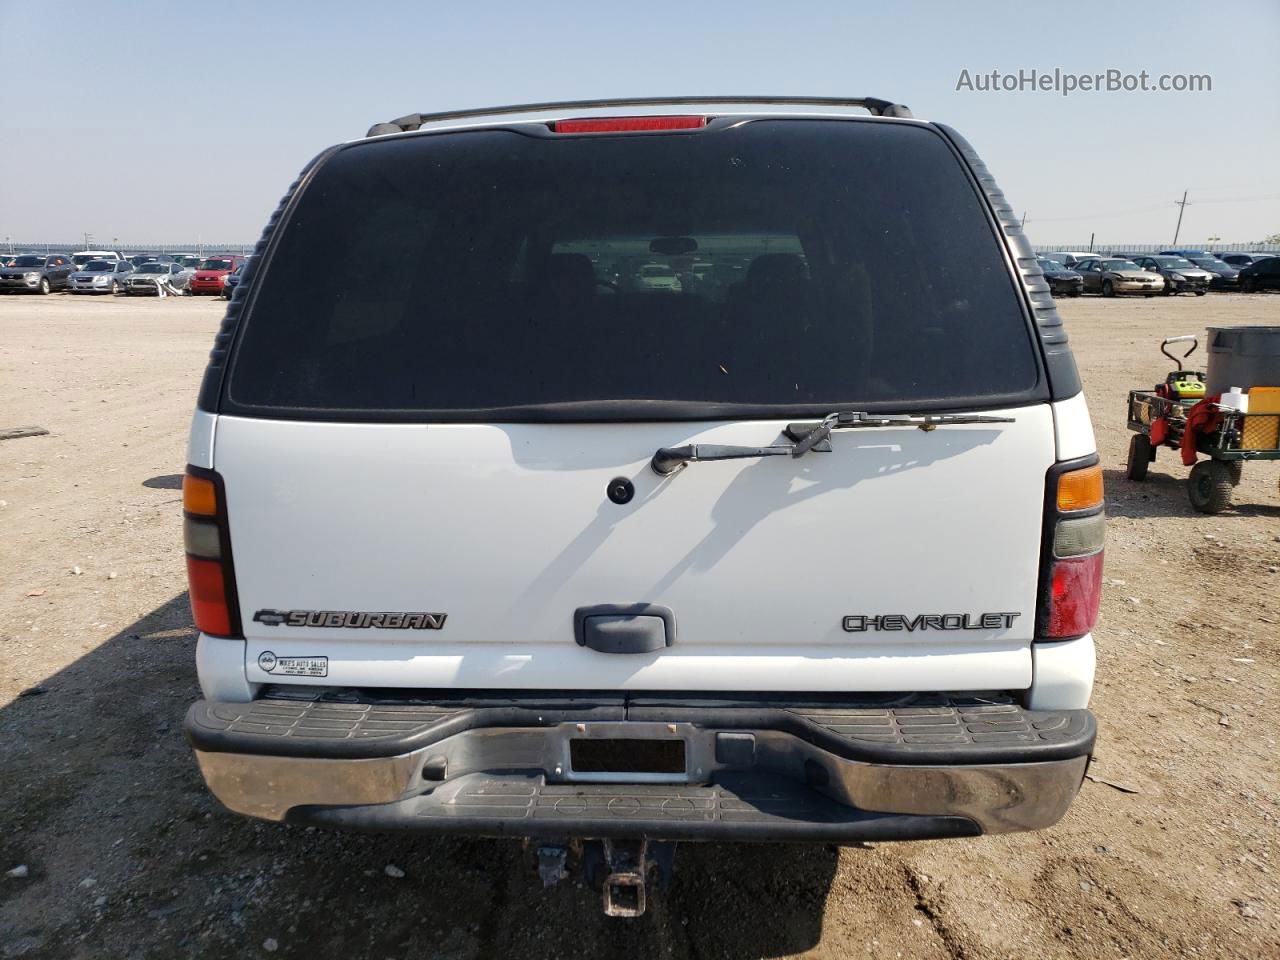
{"x":568,"y":270}
{"x":771,"y":272}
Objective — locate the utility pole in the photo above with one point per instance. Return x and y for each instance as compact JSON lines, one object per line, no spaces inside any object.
{"x":1182,"y":205}
{"x":1091,"y":236}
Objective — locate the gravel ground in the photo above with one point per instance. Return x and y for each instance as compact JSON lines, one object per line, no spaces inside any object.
{"x":1170,"y":850}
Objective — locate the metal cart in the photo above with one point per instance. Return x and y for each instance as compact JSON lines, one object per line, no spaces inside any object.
{"x":1226,"y":436}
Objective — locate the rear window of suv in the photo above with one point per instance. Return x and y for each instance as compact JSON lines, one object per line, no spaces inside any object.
{"x":780,"y":266}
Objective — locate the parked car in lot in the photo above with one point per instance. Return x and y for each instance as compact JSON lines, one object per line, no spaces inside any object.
{"x":1262,"y":275}
{"x":659,"y":276}
{"x":1241,"y":260}
{"x":232,"y":279}
{"x":1062,"y":282}
{"x":82,"y":257}
{"x":101,"y":276}
{"x":189,"y":260}
{"x":208,"y":275}
{"x":1224,"y":276}
{"x":37,"y":273}
{"x":1180,"y":274}
{"x":1070,"y":258}
{"x":602,"y":595}
{"x":146,"y":279}
{"x":1110,"y":276}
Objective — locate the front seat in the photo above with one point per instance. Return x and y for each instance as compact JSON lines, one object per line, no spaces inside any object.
{"x":566,"y":284}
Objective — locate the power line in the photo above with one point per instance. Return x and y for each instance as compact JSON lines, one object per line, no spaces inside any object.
{"x":1182,"y":206}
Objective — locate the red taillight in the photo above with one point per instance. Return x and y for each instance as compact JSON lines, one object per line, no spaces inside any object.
{"x":1075,"y":592}
{"x":208,"y":589}
{"x":1072,"y":557}
{"x":627,"y":124}
{"x":210,"y":576}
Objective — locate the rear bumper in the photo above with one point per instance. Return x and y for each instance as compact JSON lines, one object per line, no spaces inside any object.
{"x":834,"y":770}
{"x":1133,"y":286}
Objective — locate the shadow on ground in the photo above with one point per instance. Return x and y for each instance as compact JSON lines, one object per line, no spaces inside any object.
{"x":167,"y":481}
{"x":1165,"y":494}
{"x":129,"y":856}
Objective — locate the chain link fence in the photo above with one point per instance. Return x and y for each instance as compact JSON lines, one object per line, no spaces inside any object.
{"x":1109,"y":247}
{"x":199,"y":247}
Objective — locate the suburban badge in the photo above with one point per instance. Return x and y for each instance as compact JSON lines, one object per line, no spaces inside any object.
{"x":356,"y":619}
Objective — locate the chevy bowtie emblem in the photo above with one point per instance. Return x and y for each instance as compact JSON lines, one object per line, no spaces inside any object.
{"x":355,"y":619}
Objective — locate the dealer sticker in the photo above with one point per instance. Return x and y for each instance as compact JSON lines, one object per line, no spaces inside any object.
{"x":268,"y":662}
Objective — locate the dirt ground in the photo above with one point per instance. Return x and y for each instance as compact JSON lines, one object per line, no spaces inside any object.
{"x":1170,"y":851}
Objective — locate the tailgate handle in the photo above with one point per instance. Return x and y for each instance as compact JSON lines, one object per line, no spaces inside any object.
{"x":624,"y":628}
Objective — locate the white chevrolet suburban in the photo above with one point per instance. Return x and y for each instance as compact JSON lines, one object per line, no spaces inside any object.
{"x":486,"y":534}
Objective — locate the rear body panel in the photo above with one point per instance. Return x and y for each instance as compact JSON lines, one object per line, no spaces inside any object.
{"x":507,"y":530}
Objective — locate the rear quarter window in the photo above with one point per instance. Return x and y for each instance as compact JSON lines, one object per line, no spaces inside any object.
{"x":777,"y":266}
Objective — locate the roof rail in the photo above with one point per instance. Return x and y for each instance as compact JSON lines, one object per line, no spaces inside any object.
{"x":877,"y":108}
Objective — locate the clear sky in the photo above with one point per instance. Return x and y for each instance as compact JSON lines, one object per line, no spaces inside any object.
{"x":162,"y":121}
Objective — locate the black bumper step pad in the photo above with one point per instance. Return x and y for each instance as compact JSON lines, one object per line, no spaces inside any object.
{"x":909,"y":729}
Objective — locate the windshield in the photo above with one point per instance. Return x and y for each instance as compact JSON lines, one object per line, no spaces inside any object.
{"x":29,"y":262}
{"x":213,"y":264}
{"x":1209,"y":263}
{"x":847,"y":263}
{"x":1120,"y":265}
{"x":100,"y":265}
{"x":153,"y":267}
{"x":1174,"y":263}
{"x":1051,"y":266}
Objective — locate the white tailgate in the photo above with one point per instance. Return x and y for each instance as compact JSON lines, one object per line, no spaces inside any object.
{"x":507,"y":529}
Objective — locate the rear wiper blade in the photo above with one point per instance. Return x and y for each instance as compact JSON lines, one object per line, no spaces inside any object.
{"x":809,"y":435}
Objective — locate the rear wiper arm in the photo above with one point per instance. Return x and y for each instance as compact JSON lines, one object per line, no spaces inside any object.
{"x":809,"y":435}
{"x":670,"y":459}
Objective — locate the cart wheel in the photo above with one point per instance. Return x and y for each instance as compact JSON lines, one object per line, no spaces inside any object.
{"x":1209,"y":486}
{"x":1237,"y":471}
{"x":1140,"y":456}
